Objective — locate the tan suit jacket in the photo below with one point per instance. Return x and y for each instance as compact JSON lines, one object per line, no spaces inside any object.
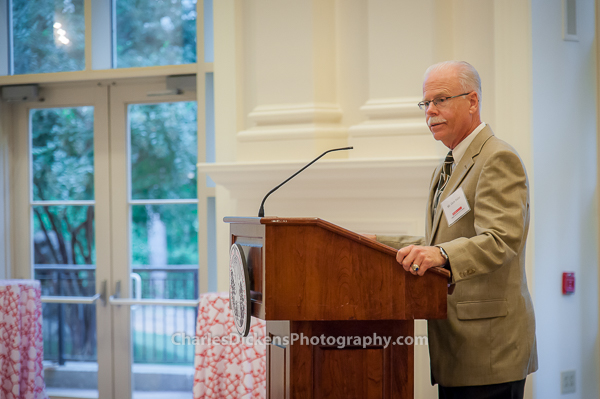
{"x":489,"y":335}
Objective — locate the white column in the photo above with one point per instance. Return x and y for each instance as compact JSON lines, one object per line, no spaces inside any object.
{"x":229,"y":115}
{"x":289,"y":80}
{"x":399,"y":35}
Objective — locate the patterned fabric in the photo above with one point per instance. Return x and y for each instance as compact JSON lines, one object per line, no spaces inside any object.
{"x":444,"y":178}
{"x":21,"y":340}
{"x":226,"y":367}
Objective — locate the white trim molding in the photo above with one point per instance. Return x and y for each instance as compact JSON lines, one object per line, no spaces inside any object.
{"x":395,"y":128}
{"x":282,"y":114}
{"x":391,"y":108}
{"x":291,"y":131}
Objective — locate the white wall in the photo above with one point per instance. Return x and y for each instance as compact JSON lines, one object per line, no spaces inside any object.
{"x":566,"y":199}
{"x":282,"y":97}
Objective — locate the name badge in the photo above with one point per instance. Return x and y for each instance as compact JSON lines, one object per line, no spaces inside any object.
{"x":455,"y":206}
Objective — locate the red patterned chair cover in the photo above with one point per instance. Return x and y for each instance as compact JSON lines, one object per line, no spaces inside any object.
{"x":223,"y":369}
{"x":21,"y":340}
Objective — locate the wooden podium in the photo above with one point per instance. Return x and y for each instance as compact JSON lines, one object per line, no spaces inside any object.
{"x":326,"y":286}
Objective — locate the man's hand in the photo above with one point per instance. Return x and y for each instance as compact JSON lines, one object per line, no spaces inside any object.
{"x":424,"y":257}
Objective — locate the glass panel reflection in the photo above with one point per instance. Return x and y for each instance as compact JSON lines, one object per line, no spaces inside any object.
{"x":69,"y":331}
{"x":48,"y":36}
{"x":163,"y":360}
{"x":164,"y":235}
{"x":151,"y":33}
{"x":152,"y":333}
{"x":164,"y":150}
{"x":62,"y":151}
{"x":62,"y":169}
{"x":63,"y":235}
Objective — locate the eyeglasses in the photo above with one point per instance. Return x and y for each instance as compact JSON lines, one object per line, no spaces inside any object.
{"x":438,"y":102}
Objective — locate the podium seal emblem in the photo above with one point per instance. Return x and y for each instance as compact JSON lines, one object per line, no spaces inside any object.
{"x":239,"y":289}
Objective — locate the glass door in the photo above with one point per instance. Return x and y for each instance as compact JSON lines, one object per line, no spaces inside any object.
{"x":157,"y":218}
{"x":61,"y":201}
{"x":114,"y":225}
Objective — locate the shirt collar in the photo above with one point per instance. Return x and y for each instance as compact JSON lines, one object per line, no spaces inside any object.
{"x":461,"y":148}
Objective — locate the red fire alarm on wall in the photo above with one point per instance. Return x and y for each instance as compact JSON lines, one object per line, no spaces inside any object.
{"x":568,"y":283}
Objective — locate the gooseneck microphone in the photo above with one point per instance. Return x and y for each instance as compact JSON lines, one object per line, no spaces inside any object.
{"x":261,"y":211}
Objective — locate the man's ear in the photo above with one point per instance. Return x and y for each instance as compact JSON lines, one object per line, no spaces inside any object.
{"x":474,"y":102}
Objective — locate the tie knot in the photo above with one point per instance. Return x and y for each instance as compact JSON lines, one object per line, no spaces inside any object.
{"x":449,"y":158}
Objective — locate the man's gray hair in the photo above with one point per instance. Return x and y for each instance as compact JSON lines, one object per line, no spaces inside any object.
{"x":467,"y":75}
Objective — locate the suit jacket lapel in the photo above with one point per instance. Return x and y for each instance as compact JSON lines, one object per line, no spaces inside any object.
{"x":432,"y":190}
{"x":459,"y":174}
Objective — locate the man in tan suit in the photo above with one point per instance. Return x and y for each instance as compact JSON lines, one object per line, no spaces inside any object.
{"x":477,"y":223}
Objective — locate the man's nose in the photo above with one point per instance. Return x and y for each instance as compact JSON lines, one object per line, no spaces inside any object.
{"x":431,"y":109}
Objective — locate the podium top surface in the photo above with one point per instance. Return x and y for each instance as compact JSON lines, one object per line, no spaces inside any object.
{"x":282,"y":221}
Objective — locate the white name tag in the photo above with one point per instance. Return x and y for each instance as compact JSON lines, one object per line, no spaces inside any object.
{"x":455,"y":206}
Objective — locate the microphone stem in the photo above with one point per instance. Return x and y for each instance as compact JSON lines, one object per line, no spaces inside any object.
{"x":261,"y":212}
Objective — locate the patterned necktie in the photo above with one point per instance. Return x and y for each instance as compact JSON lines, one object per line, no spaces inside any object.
{"x":444,"y":178}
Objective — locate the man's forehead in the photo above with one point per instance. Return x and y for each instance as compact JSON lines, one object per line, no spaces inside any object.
{"x":436,"y":90}
{"x":439,"y":84}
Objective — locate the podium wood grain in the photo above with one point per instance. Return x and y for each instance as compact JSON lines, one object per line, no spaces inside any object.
{"x":313,"y":279}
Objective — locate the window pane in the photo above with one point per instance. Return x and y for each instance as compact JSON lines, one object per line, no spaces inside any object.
{"x":62,"y":148}
{"x":63,"y":242}
{"x":164,"y":150}
{"x":155,"y":32}
{"x":74,"y":325}
{"x":48,"y":36}
{"x":78,"y":335}
{"x":152,"y":331}
{"x":164,"y":235}
{"x":63,"y":235}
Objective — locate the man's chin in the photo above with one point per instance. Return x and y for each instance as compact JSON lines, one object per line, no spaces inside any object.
{"x":437,"y":133}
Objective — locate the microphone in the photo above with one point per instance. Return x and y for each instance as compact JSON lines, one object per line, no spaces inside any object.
{"x":261,"y":211}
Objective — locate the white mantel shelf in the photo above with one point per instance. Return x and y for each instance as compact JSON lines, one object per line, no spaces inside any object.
{"x":337,"y":178}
